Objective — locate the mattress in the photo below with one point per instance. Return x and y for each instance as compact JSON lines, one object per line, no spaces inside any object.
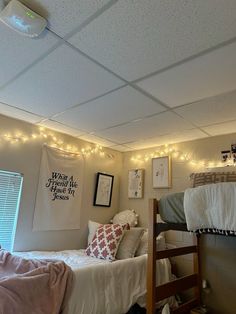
{"x":103,"y":287}
{"x":171,"y":208}
{"x":207,"y":208}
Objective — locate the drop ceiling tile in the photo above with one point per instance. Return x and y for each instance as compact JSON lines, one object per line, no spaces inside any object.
{"x":120,"y":106}
{"x":177,"y":137}
{"x":135,"y":38}
{"x":17,"y":52}
{"x":163,"y":123}
{"x":19,"y":114}
{"x":59,"y":127}
{"x":212,"y":110}
{"x":205,"y":76}
{"x":221,"y":128}
{"x":64,"y":15}
{"x":97,"y":140}
{"x":53,"y":85}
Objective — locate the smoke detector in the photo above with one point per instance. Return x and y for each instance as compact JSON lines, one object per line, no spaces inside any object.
{"x":22,"y":19}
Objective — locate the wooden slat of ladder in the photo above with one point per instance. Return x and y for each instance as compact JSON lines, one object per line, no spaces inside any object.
{"x":176,"y":252}
{"x":161,"y":227}
{"x":173,"y":287}
{"x":186,"y":307}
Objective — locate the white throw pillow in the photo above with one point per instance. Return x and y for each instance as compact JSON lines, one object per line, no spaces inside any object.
{"x":143,"y":245}
{"x":92,"y":227}
{"x":129,"y":243}
{"x":126,"y":216}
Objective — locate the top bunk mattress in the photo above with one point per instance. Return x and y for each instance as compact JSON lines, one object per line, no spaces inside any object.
{"x":208,"y":208}
{"x":171,"y":207}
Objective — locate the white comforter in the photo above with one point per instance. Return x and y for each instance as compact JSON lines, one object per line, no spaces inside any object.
{"x":103,"y":287}
{"x":211,"y":206}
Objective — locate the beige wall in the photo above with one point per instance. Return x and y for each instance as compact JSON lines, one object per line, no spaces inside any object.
{"x":25,"y":158}
{"x":218,"y":253}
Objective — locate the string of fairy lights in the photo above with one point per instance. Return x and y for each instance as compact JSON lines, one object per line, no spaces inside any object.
{"x":178,"y":155}
{"x":54,"y":141}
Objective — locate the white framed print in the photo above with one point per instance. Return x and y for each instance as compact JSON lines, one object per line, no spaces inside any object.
{"x":135,"y":183}
{"x":161,"y":172}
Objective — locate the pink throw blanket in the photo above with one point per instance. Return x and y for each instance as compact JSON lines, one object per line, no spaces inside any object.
{"x":32,"y":286}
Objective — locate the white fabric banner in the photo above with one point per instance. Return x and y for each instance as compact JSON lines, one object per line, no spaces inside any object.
{"x":59,"y":194}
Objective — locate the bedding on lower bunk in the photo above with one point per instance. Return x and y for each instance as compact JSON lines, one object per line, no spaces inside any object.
{"x":103,"y":287}
{"x":204,"y":207}
{"x":32,"y":286}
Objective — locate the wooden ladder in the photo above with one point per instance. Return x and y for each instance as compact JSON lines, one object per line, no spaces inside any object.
{"x":155,"y":294}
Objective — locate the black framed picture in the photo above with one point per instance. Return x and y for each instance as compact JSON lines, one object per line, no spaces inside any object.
{"x":103,"y":190}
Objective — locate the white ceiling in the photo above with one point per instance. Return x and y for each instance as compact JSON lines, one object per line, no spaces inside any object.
{"x":125,"y":74}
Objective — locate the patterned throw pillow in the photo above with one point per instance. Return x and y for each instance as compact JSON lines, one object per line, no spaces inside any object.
{"x":106,"y":241}
{"x":204,"y":178}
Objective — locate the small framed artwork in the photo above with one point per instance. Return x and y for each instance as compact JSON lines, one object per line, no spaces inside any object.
{"x":233,"y":150}
{"x":225,"y":155}
{"x":103,"y":190}
{"x":161,"y":172}
{"x":135,"y":183}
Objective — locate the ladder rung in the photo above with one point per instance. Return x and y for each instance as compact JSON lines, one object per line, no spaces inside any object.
{"x":176,"y":252}
{"x":173,"y":287}
{"x":161,"y":227}
{"x":186,"y":307}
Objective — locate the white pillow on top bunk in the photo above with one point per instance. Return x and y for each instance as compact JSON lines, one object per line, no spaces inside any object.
{"x":143,"y":246}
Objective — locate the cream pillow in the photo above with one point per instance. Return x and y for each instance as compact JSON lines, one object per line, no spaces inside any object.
{"x":126,"y":216}
{"x":129,"y":243}
{"x":92,"y":227}
{"x":143,"y":245}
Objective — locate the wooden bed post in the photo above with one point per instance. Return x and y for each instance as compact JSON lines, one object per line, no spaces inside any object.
{"x":151,"y":262}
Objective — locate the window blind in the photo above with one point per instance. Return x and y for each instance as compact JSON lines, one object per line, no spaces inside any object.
{"x":10,"y":193}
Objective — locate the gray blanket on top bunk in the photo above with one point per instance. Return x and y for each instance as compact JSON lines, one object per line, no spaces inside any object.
{"x":171,"y":208}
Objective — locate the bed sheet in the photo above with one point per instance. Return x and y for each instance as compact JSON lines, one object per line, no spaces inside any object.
{"x":103,"y":287}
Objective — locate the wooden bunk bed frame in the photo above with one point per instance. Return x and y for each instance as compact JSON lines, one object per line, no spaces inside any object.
{"x":155,"y":294}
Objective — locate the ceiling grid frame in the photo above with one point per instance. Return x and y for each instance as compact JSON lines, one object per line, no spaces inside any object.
{"x":132,"y":84}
